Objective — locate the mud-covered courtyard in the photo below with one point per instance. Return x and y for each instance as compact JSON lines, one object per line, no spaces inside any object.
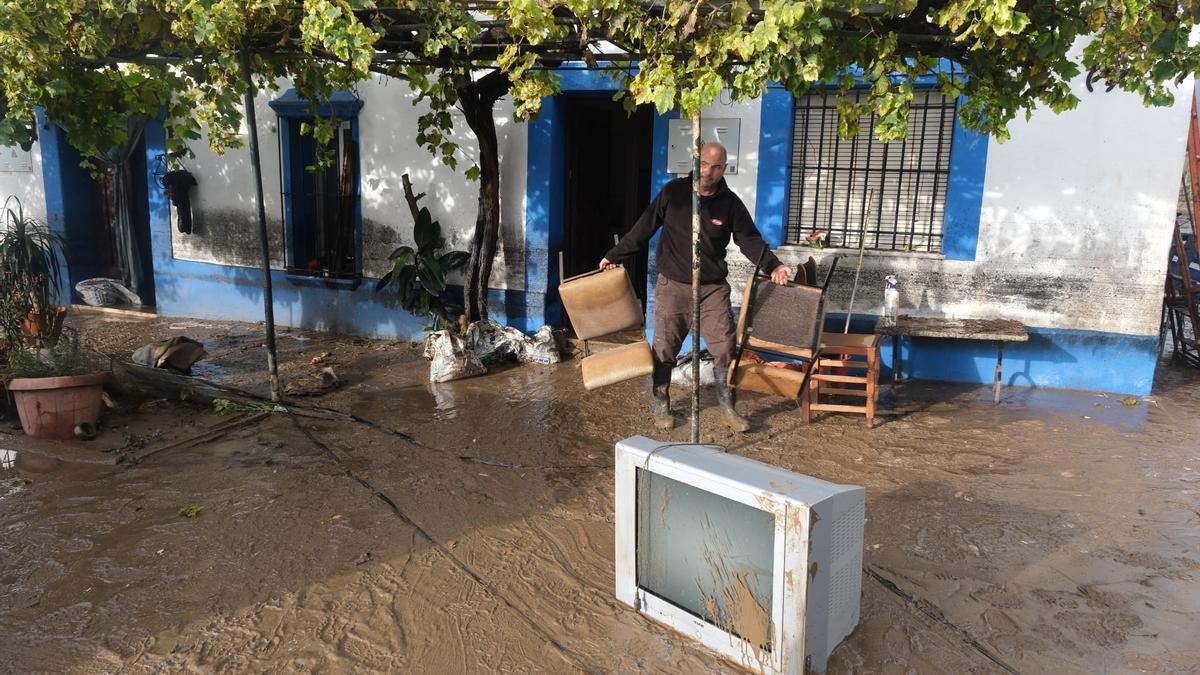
{"x":468,"y":526}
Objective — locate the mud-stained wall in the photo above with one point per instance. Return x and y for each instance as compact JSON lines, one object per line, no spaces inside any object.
{"x":24,"y":184}
{"x":224,"y":217}
{"x":223,"y":204}
{"x":1077,"y":214}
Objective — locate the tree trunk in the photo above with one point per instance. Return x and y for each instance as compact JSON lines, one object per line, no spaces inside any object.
{"x":487,"y":222}
{"x":479,"y":101}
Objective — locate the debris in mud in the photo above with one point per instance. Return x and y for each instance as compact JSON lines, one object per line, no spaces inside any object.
{"x":224,"y":406}
{"x":450,"y":359}
{"x":363,"y":559}
{"x":313,"y":384}
{"x":682,"y":373}
{"x":190,"y":511}
{"x":491,"y":462}
{"x":177,"y":354}
{"x":453,"y":357}
{"x":1128,"y":401}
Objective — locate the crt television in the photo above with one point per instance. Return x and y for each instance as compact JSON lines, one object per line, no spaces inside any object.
{"x":759,"y":564}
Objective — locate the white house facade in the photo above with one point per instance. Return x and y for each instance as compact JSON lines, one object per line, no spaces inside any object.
{"x":1065,"y":227}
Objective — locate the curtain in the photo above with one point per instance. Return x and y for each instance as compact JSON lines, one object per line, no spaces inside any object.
{"x":116,"y":163}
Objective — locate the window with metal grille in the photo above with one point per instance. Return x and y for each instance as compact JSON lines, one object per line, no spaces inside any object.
{"x":831,"y":178}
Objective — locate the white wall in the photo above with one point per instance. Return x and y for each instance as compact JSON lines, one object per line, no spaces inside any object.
{"x":387,"y":127}
{"x":1077,"y":214}
{"x":223,"y":202}
{"x":26,"y":185}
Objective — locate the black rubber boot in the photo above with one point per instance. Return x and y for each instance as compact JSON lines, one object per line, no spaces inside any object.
{"x":663,"y":419}
{"x":726,"y":400}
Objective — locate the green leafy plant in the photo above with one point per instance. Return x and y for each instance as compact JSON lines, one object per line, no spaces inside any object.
{"x":63,"y":357}
{"x":418,"y":276}
{"x":181,"y":58}
{"x":223,"y":406}
{"x":817,"y":239}
{"x":29,"y":279}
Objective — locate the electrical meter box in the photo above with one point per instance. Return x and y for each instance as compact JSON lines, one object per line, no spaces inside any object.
{"x":727,"y":132}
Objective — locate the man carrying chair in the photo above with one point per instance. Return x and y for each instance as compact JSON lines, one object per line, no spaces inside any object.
{"x":722,"y":216}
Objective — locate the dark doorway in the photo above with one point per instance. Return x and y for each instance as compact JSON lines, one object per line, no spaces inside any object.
{"x":101,"y":248}
{"x":607,"y":169}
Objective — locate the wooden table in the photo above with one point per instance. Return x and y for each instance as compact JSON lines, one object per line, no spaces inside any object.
{"x":996,"y":330}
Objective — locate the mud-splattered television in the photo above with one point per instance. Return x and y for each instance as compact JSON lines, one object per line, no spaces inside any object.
{"x":760,"y":564}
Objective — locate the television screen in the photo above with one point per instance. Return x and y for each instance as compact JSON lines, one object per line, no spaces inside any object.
{"x":759,"y":564}
{"x":709,"y":555}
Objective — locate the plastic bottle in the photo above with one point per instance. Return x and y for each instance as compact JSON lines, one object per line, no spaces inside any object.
{"x":891,"y":301}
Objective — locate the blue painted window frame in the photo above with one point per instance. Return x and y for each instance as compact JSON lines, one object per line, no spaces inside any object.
{"x":964,"y":189}
{"x":291,"y":111}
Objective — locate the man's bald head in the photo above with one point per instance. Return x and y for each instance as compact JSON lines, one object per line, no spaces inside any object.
{"x":715,"y":151}
{"x":712,"y":166}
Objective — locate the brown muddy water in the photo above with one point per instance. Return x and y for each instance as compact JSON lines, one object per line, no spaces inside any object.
{"x":1056,"y":533}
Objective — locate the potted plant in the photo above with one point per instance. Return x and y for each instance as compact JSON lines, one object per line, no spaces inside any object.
{"x":57,"y":389}
{"x":29,"y":280}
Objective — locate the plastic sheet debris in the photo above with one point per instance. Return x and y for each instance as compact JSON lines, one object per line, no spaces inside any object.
{"x":453,"y":357}
{"x":682,"y":373}
{"x":490,"y":340}
{"x":449,"y":358}
{"x":103,"y":292}
{"x":541,"y":348}
{"x":177,"y":353}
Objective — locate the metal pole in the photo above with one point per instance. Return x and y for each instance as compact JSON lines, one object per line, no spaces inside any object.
{"x":268,"y":298}
{"x":696,"y":277}
{"x":862,"y":245}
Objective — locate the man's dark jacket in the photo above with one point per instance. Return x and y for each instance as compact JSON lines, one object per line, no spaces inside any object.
{"x":722,"y":215}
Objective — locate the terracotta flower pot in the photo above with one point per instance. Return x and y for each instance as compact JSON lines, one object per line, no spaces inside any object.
{"x":51,"y":407}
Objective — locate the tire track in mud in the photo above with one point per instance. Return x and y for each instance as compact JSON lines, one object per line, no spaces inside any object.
{"x":932,"y":612}
{"x":923,"y":607}
{"x":567,"y":654}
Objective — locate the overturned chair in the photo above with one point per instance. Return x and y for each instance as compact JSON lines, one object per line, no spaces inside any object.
{"x":600,"y":303}
{"x":784,"y":321}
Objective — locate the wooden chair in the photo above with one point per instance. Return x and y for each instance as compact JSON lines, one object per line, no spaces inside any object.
{"x":781,"y":320}
{"x":836,"y":373}
{"x":600,"y":303}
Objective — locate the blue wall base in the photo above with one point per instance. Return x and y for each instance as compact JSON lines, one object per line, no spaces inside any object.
{"x":208,"y":290}
{"x":1052,"y":358}
{"x":1056,"y":358}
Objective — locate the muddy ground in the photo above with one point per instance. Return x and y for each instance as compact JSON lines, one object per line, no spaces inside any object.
{"x":467,"y":527}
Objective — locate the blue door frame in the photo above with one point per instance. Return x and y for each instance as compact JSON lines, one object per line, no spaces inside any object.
{"x":544,"y":196}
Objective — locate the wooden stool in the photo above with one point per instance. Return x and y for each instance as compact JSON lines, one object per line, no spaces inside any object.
{"x":863,"y":384}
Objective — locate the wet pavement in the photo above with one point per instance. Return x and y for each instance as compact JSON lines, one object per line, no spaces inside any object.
{"x":467,"y":526}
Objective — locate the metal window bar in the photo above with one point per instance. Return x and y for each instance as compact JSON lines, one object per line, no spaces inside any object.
{"x":831,"y":177}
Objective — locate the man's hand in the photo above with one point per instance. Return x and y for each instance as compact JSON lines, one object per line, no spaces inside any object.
{"x":780,"y":275}
{"x":606,"y":265}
